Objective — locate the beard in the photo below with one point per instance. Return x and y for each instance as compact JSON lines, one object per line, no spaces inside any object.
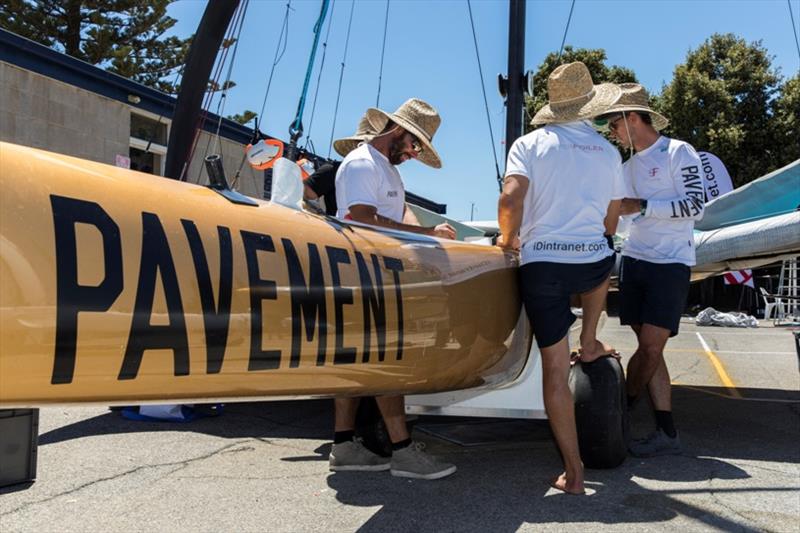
{"x":396,"y":151}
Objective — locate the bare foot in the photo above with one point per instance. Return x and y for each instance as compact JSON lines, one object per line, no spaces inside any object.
{"x":573,"y":487}
{"x":597,"y":350}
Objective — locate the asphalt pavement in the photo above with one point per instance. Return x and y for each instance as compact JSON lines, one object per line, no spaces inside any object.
{"x":263,"y":466}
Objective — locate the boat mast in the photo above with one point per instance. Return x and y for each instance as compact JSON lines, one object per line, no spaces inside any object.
{"x":200,"y":61}
{"x":515,"y":100}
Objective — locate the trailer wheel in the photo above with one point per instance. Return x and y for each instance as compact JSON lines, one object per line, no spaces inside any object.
{"x":601,"y":412}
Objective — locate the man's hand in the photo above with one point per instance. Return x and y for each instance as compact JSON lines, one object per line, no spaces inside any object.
{"x":444,"y":231}
{"x":510,"y":244}
{"x":630,"y":206}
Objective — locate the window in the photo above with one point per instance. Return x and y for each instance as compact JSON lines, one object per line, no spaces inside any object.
{"x":148,"y":142}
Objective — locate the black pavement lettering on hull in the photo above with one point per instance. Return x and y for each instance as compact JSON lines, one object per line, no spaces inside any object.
{"x":308,"y":301}
{"x":342,"y":296}
{"x":374,"y":303}
{"x":260,"y":289}
{"x":71,"y":297}
{"x":307,"y":293}
{"x":396,"y":266}
{"x":156,"y":259}
{"x":216,"y":315}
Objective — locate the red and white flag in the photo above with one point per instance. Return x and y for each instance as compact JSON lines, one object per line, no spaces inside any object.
{"x":739,"y":277}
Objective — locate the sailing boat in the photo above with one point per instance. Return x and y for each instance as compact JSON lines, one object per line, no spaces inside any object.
{"x":119,"y":287}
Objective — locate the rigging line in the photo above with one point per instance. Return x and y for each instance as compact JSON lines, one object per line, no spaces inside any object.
{"x":235,"y":29}
{"x":794,"y":28}
{"x":283,"y":37}
{"x":485,"y":100}
{"x":341,"y":77}
{"x":226,"y":83}
{"x":383,"y":53}
{"x":566,"y":28}
{"x":175,"y":83}
{"x":209,"y":97}
{"x":319,"y":76}
{"x":296,"y":127}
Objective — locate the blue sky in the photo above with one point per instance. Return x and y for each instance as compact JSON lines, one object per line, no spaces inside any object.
{"x":430,"y":55}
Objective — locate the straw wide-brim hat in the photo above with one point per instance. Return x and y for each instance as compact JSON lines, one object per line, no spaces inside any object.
{"x":418,"y":118}
{"x":572,"y":96}
{"x":364,"y":133}
{"x":634,"y":98}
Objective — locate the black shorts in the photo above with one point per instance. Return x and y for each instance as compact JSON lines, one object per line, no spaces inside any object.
{"x":546,"y":288}
{"x":653,"y":293}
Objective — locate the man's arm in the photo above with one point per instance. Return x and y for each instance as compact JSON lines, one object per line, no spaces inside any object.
{"x":690,"y":205}
{"x":509,"y":210}
{"x":612,"y":217}
{"x":409,"y":217}
{"x":368,"y":214}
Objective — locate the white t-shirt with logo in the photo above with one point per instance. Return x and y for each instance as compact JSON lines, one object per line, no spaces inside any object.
{"x":668,"y":174}
{"x":367,"y":177}
{"x":573,"y":174}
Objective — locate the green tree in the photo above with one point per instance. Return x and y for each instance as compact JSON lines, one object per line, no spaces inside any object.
{"x":125,"y":37}
{"x":786,"y":123}
{"x":595,"y":61}
{"x":723,"y":98}
{"x":244,"y":117}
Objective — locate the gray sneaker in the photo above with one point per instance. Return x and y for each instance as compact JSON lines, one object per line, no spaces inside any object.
{"x":353,"y":456}
{"x":657,"y":443}
{"x":414,"y":462}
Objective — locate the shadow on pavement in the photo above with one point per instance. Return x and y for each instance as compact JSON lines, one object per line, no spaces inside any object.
{"x":312,"y":419}
{"x":501,"y":485}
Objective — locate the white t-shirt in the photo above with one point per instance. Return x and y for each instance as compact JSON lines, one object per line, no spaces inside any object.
{"x":573,"y":174}
{"x":669,"y":176}
{"x":367,"y":177}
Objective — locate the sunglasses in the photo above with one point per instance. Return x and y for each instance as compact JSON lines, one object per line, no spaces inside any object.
{"x":415,"y":144}
{"x":613,"y":123}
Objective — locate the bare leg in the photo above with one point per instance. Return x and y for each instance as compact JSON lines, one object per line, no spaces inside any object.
{"x":344,"y":410}
{"x":561,"y":412}
{"x":393,"y":410}
{"x":660,"y":388}
{"x":647,"y":359}
{"x":593,"y":303}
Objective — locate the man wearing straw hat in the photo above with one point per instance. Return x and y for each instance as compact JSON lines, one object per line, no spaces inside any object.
{"x":369,"y":189}
{"x":561,"y":193}
{"x":322,"y":183}
{"x":666,"y":195}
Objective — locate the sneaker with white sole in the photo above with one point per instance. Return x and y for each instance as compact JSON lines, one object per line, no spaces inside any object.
{"x":355,"y":457}
{"x":414,"y":462}
{"x":655,"y":444}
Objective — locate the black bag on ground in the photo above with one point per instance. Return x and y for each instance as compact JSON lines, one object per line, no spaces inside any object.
{"x":601,"y":413}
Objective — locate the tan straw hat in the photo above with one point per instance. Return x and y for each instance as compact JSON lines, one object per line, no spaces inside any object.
{"x":634,"y":98}
{"x":573,"y":96}
{"x":364,"y":133}
{"x":418,"y":118}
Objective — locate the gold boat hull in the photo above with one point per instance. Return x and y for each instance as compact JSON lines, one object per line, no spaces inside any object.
{"x":122,"y":287}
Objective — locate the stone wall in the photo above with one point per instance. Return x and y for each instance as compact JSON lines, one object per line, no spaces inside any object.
{"x":44,"y":113}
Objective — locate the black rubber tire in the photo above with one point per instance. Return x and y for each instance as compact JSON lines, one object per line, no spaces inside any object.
{"x":601,"y":412}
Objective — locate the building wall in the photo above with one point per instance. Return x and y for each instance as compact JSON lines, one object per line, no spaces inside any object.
{"x":44,"y":113}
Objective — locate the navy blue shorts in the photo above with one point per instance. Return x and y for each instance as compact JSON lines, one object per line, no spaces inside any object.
{"x":546,"y":289}
{"x":653,"y":293}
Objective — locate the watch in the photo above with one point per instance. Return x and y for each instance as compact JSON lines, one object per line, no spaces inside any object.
{"x":643,"y":208}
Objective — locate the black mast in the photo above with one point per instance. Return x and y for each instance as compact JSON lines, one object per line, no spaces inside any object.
{"x":515,"y":101}
{"x":199,"y":63}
